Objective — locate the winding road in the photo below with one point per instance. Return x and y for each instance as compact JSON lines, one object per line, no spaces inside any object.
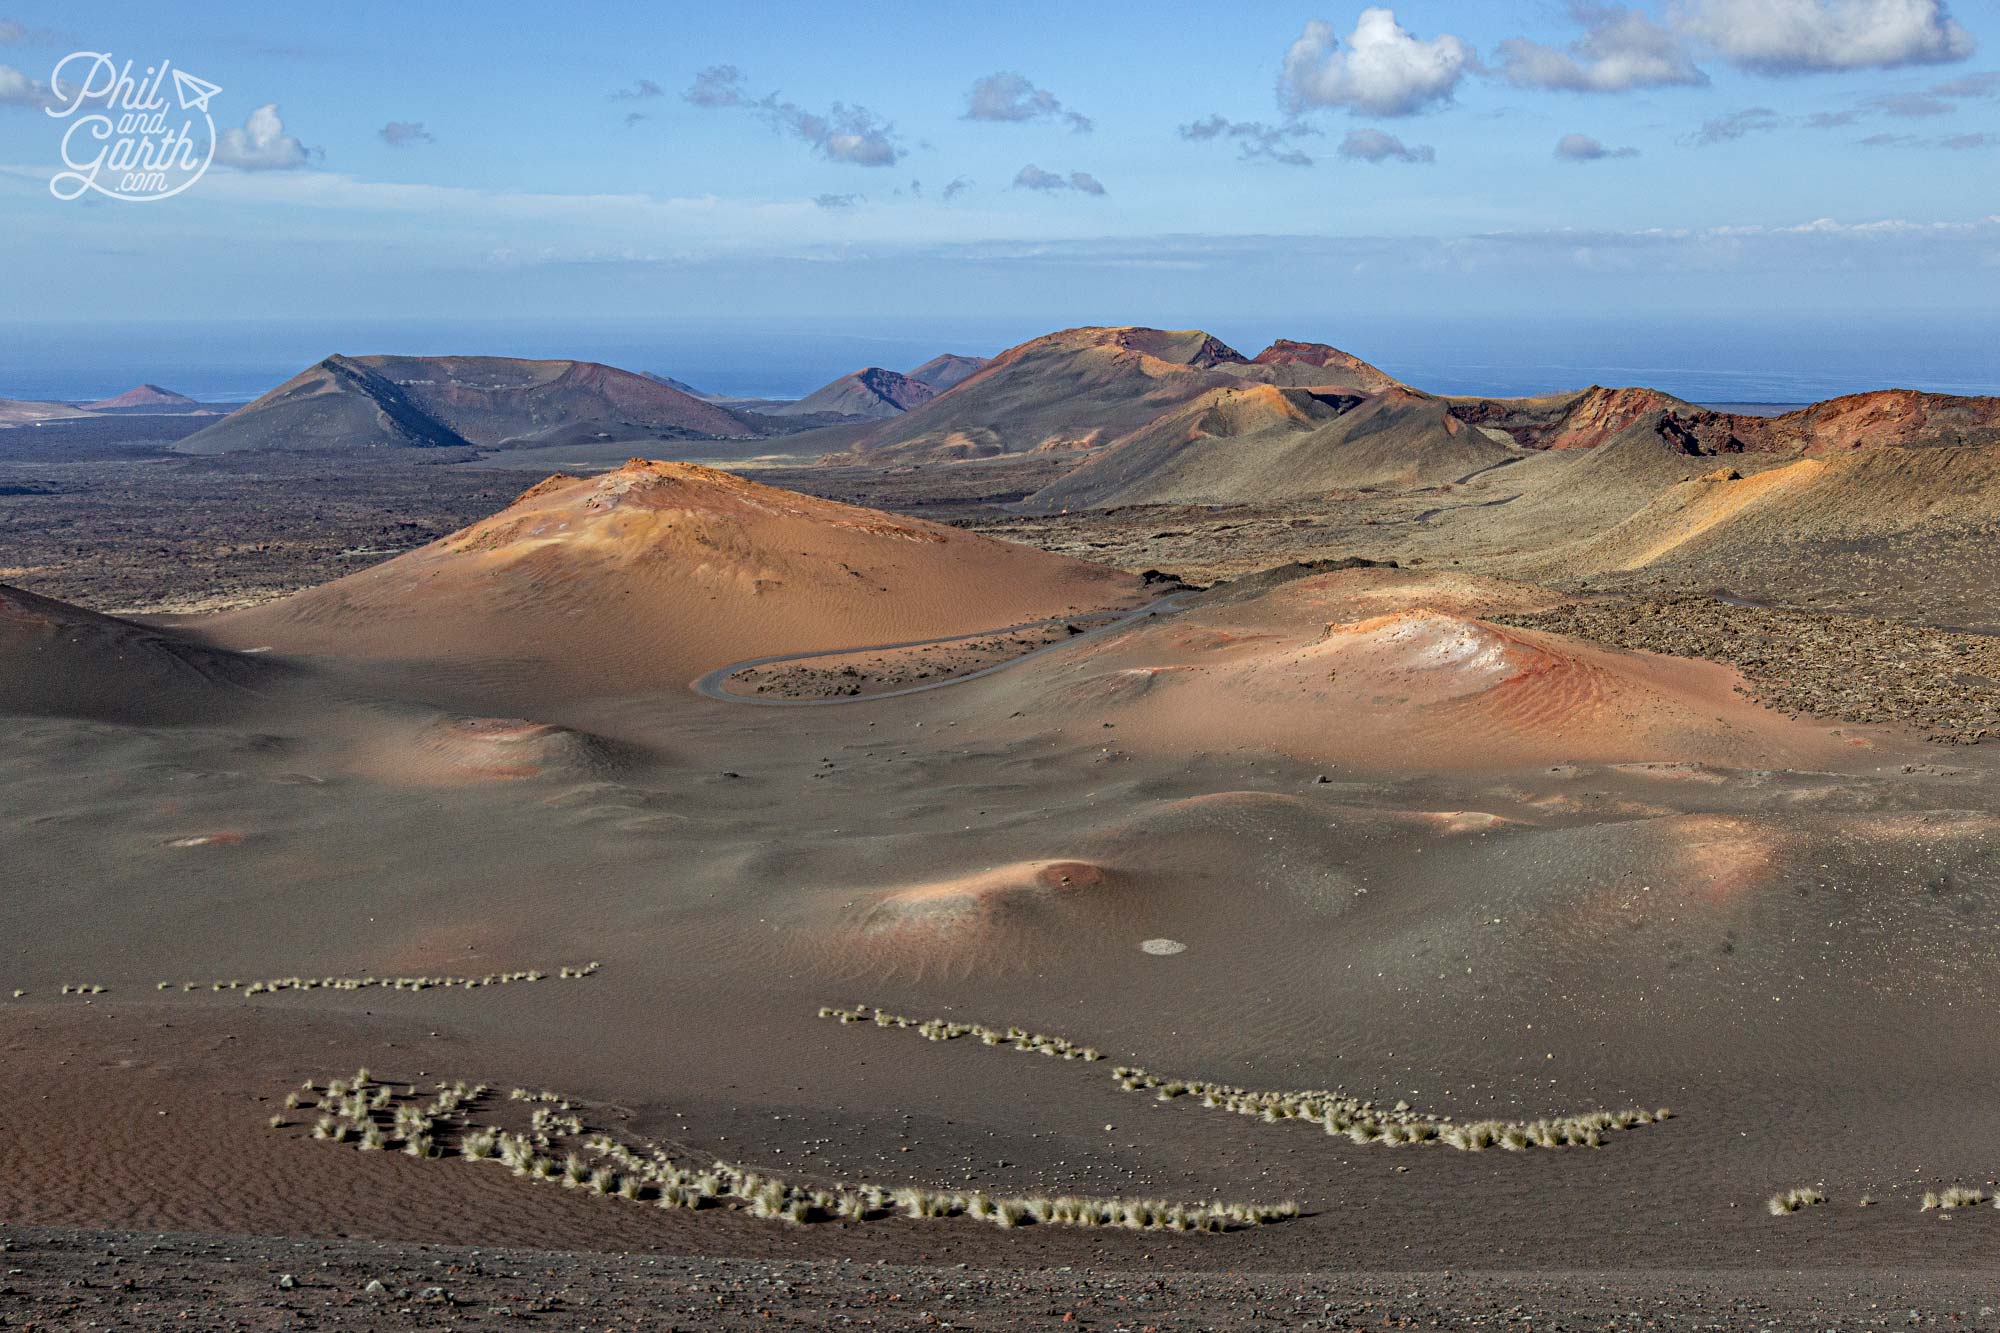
{"x":711,"y":685}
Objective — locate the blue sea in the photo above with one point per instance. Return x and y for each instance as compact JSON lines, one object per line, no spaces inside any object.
{"x":1737,"y":360}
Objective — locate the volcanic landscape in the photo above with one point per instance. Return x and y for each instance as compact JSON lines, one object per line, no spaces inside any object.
{"x":1121,"y":834}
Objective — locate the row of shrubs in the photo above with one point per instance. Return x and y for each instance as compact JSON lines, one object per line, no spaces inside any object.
{"x":373,"y":1117}
{"x":1946,"y":1200}
{"x":271,"y":987}
{"x":1359,"y":1120}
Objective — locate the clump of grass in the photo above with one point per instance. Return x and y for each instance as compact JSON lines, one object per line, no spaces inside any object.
{"x":1791,"y":1200}
{"x":1959,"y":1196}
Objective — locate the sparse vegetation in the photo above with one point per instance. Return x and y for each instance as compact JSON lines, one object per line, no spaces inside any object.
{"x":369,"y":1115}
{"x":1791,"y":1200}
{"x":277,"y":984}
{"x":1359,"y":1120}
{"x":1952,"y":1198}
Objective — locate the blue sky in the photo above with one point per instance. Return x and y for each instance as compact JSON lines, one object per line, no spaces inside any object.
{"x":1177,"y":163}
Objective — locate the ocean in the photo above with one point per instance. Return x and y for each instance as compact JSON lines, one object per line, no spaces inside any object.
{"x":1765,"y":359}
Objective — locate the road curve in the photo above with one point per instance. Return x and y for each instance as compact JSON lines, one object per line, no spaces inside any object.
{"x":711,"y":685}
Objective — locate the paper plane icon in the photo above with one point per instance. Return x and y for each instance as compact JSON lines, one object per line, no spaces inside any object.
{"x":194,"y":93}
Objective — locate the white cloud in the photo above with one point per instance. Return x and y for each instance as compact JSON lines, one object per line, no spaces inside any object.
{"x":1800,"y":36}
{"x":1381,"y":71}
{"x":844,"y":133}
{"x":1620,"y":49}
{"x":643,"y":90}
{"x":1032,"y":177}
{"x":10,"y":31}
{"x":261,"y":144}
{"x":1583,"y":148}
{"x":17,"y":89}
{"x":1378,"y":146}
{"x":1007,"y":96}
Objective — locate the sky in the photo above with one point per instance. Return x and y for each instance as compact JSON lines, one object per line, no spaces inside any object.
{"x":1274,"y":164}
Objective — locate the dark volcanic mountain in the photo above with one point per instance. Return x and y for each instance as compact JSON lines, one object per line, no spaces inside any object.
{"x":870,"y":392}
{"x":948,"y":371}
{"x":454,"y":401}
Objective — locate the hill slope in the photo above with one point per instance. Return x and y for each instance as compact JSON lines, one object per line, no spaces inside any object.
{"x":1724,"y":515}
{"x":642,"y":578}
{"x":1070,"y":390}
{"x":452,"y":401}
{"x":59,"y":660}
{"x":1261,"y":443}
{"x":1882,"y":417}
{"x":1317,"y":365}
{"x":26,"y":412}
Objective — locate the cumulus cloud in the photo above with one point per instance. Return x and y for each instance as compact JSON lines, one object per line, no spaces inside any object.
{"x":1382,"y":70}
{"x":1804,"y":36}
{"x":844,"y":133}
{"x":1032,"y":177}
{"x":836,"y":202}
{"x":1583,"y":148}
{"x":1620,"y":49}
{"x":1254,"y":139}
{"x":1736,"y":125}
{"x":404,"y":133}
{"x":261,"y":144}
{"x":1378,"y":146}
{"x":1007,"y":96}
{"x":643,"y":90}
{"x":10,"y":31}
{"x":957,"y":186}
{"x":17,"y":89}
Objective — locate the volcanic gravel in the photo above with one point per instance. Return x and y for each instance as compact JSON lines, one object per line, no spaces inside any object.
{"x":1942,"y":682}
